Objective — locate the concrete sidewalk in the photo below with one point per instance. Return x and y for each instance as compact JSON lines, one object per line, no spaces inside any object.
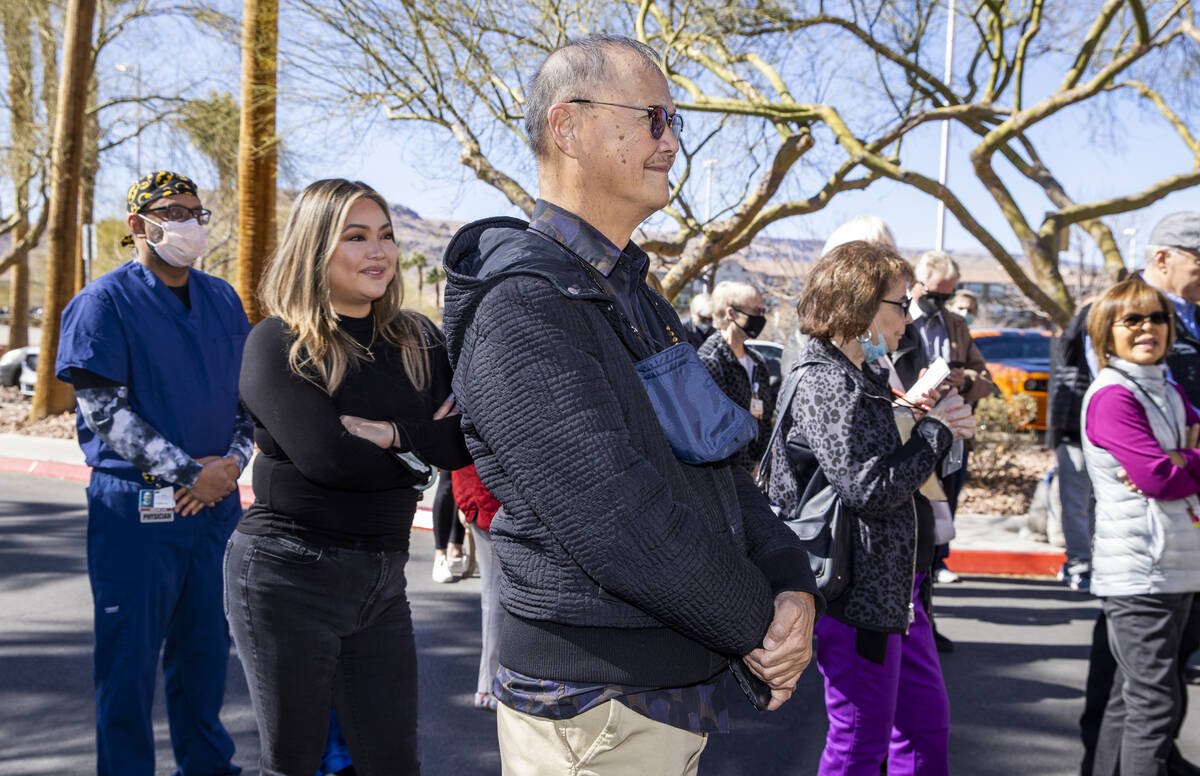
{"x":985,"y":544}
{"x":62,"y":458}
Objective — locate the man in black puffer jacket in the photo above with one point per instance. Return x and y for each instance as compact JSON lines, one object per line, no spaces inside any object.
{"x":629,"y":578}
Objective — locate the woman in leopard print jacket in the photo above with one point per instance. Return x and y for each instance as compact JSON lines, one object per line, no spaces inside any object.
{"x":875,"y":648}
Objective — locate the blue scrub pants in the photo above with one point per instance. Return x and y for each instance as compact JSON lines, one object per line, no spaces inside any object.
{"x":158,"y":586}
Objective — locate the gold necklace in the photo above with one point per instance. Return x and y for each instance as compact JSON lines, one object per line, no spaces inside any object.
{"x":370,"y":354}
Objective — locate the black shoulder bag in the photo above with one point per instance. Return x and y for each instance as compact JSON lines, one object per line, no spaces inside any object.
{"x":818,"y":520}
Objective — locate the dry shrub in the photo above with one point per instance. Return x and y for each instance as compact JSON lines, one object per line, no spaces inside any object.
{"x":1006,"y":461}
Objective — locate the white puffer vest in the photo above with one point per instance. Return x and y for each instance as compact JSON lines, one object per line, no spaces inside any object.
{"x":1141,"y":545}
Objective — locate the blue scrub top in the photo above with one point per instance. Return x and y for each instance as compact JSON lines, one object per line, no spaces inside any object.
{"x":181,"y":366}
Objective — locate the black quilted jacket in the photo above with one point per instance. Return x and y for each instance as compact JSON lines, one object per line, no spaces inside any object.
{"x":845,"y":415}
{"x":729,"y":374}
{"x":620,"y":563}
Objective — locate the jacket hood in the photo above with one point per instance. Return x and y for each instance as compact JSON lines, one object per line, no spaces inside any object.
{"x":483,"y":253}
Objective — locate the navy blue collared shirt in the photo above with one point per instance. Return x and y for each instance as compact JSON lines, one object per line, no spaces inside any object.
{"x":620,"y":273}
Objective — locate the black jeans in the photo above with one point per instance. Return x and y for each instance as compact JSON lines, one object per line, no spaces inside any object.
{"x":1144,"y":633}
{"x":319,"y":625}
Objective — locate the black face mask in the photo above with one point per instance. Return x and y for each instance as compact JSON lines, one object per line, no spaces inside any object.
{"x":931,"y":302}
{"x":754,"y":324}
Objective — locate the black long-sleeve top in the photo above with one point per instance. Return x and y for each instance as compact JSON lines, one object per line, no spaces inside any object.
{"x":316,"y":480}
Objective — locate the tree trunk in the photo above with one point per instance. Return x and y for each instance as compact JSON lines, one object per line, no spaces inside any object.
{"x":87,"y":183}
{"x":48,"y":48}
{"x":256,"y":149}
{"x":18,"y":297}
{"x":18,"y":47}
{"x":66,"y":163}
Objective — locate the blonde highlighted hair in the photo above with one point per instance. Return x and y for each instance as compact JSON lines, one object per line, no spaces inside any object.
{"x":296,"y":289}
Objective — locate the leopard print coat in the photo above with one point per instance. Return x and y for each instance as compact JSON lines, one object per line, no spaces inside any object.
{"x":845,"y":414}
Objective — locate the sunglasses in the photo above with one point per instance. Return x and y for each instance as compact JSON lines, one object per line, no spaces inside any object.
{"x":902,"y":304}
{"x":1135,"y":320}
{"x":659,"y":118}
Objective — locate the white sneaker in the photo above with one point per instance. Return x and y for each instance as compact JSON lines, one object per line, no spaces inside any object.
{"x":441,"y":570}
{"x":458,"y":566}
{"x":946,"y":577}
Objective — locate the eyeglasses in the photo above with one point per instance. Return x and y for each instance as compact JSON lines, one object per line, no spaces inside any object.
{"x":659,"y":118}
{"x":759,"y":311}
{"x":903,"y":304}
{"x":1135,"y":320}
{"x":181,"y":213}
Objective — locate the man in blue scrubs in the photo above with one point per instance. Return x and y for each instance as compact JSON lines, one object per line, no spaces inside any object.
{"x":153,"y":349}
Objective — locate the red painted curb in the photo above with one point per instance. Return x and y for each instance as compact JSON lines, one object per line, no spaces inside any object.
{"x":62,"y":471}
{"x":1025,"y":564}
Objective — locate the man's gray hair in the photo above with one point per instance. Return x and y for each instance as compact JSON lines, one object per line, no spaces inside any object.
{"x":571,"y":72}
{"x":1153,"y":249}
{"x":701,"y":305}
{"x":939,"y":262}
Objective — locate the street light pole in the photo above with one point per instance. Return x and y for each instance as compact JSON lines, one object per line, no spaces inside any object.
{"x":137,"y":80}
{"x":1131,"y":233}
{"x":943,"y":162}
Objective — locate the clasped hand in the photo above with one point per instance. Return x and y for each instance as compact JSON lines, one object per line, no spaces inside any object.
{"x":217,"y":480}
{"x":787,"y":647}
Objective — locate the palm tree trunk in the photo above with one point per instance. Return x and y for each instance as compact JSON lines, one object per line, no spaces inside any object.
{"x":256,"y":149}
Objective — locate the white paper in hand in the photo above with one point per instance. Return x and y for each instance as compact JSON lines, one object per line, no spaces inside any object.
{"x":934,"y":376}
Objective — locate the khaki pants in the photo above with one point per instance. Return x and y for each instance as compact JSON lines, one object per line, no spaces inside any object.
{"x":609,"y":740}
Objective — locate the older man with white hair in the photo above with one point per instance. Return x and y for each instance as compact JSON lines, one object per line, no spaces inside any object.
{"x":633,"y":580}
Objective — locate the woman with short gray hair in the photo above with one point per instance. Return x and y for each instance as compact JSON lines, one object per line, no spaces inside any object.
{"x":738,"y":314}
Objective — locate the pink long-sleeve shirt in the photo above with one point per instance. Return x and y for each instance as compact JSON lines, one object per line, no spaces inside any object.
{"x":1117,"y":422}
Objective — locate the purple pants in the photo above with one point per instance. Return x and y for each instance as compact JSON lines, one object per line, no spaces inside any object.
{"x":897,"y":712}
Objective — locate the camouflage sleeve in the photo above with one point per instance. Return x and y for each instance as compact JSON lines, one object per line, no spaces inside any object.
{"x":106,"y":411}
{"x":242,"y":445}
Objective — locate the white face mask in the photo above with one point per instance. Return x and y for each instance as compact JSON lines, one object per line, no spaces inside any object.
{"x":182,"y":241}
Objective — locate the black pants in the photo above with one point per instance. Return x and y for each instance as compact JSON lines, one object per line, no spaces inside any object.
{"x":447,"y":529}
{"x":1145,"y":633}
{"x":316,"y":626}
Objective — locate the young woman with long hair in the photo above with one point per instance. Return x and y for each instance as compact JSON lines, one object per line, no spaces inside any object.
{"x":345,"y":387}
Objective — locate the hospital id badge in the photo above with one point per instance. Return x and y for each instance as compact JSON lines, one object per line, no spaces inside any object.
{"x":756,"y":408}
{"x":156,"y":505}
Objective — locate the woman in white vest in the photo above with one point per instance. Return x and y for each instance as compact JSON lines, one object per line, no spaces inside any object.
{"x":1139,"y":444}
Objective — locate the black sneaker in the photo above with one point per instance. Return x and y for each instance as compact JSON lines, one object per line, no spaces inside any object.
{"x":1081,"y":583}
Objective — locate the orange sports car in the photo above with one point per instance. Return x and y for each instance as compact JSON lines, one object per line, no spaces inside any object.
{"x":1019,"y":360}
